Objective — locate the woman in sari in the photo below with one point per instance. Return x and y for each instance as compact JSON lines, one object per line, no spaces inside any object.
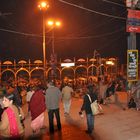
{"x":37,"y":108}
{"x":10,"y":125}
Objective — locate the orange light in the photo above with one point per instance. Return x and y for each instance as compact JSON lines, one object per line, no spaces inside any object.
{"x":110,"y":62}
{"x":54,"y":23}
{"x":50,"y":23}
{"x":43,"y":5}
{"x":58,"y":23}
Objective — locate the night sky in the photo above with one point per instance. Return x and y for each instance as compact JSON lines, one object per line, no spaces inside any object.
{"x":81,"y":32}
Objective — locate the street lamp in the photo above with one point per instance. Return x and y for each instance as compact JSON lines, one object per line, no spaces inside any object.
{"x":43,"y":6}
{"x":53,"y":24}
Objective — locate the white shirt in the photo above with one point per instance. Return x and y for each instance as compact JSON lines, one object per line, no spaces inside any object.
{"x":29,"y":95}
{"x":66,"y":93}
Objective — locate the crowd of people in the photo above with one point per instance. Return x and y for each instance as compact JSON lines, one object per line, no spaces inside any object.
{"x":40,"y":98}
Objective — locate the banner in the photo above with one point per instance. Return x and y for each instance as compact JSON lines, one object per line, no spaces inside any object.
{"x":133,"y":14}
{"x":133,"y":21}
{"x":132,"y":65}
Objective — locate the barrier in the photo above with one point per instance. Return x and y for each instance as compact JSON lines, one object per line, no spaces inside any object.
{"x":122,"y":97}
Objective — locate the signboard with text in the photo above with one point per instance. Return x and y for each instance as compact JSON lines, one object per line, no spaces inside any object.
{"x":133,"y":21}
{"x":132,"y":65}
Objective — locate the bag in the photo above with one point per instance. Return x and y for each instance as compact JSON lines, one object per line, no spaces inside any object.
{"x":94,"y":106}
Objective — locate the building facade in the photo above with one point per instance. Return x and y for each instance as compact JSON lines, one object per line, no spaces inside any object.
{"x":82,"y":68}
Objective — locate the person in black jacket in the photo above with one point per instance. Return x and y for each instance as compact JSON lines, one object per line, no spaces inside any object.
{"x":86,"y":107}
{"x":131,"y":103}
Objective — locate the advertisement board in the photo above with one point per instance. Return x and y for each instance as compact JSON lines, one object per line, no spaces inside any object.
{"x":133,"y":21}
{"x":132,"y":65}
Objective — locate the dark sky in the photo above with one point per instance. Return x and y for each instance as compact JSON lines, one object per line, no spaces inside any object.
{"x":81,"y":33}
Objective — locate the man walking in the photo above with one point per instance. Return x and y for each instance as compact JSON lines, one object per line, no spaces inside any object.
{"x":53,"y":97}
{"x":66,"y":97}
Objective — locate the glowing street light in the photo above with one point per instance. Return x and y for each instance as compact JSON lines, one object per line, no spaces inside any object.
{"x":58,"y":23}
{"x":50,"y":23}
{"x":53,"y":24}
{"x":43,"y":6}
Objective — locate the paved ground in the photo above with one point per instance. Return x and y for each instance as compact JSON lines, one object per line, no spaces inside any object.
{"x":72,"y":125}
{"x":115,"y":123}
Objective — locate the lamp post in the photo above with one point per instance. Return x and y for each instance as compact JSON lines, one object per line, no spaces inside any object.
{"x":53,"y":24}
{"x":43,"y":6}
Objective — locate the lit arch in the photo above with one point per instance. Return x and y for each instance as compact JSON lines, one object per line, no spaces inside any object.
{"x":67,"y":69}
{"x":93,"y":70}
{"x":37,"y":69}
{"x":79,"y":67}
{"x":101,"y":69}
{"x":22,"y":69}
{"x":58,"y":75}
{"x":8,"y":70}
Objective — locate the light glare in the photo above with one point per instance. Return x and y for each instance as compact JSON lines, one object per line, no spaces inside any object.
{"x":109,"y":63}
{"x":43,"y":5}
{"x":54,"y":23}
{"x":67,"y":64}
{"x":50,"y":23}
{"x":58,"y":23}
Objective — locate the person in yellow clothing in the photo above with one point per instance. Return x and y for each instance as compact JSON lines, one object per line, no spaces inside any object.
{"x":67,"y":92}
{"x":10,"y":124}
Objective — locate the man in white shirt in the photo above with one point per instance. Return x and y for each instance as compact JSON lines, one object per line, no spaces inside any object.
{"x":66,"y":98}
